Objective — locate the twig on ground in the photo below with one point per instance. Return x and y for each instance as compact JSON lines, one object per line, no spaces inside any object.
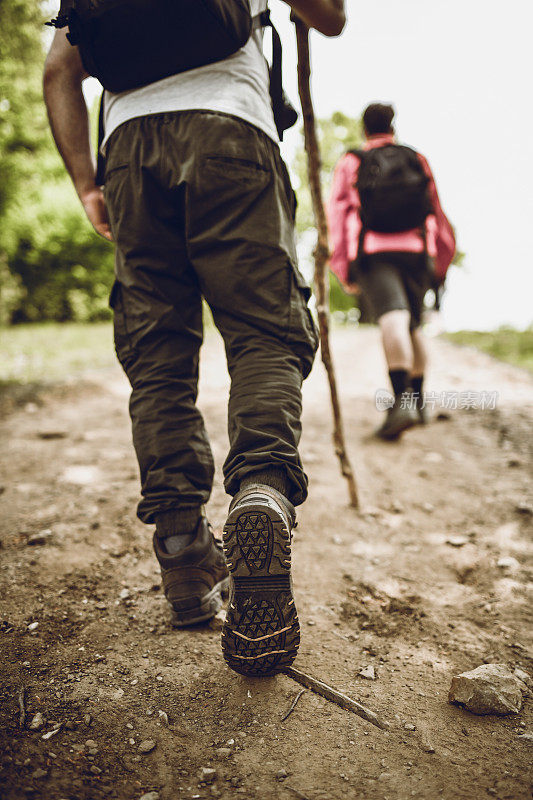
{"x":22,"y":715}
{"x":334,"y":696}
{"x":321,"y":253}
{"x":296,"y":792}
{"x":293,"y":705}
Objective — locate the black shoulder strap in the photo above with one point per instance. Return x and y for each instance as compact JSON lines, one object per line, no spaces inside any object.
{"x":356,"y":152}
{"x":264,"y":20}
{"x":100,"y":159}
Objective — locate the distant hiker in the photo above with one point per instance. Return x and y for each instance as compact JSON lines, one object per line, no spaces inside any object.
{"x":199,"y":204}
{"x":390,"y":238}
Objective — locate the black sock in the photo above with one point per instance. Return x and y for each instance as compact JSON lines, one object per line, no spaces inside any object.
{"x":276,"y":478}
{"x":399,"y":379}
{"x":416,"y":385}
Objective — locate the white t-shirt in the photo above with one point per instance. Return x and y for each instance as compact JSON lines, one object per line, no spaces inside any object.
{"x":239,"y":85}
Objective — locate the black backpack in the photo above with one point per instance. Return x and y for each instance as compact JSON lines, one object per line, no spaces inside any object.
{"x":131,"y":43}
{"x":393,"y":189}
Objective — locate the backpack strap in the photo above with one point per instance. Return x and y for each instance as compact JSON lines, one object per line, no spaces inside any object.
{"x":284,"y":114}
{"x":100,"y":158}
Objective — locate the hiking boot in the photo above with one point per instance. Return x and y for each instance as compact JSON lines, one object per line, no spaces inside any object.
{"x":261,"y":633}
{"x":398,"y":420}
{"x":195,"y":578}
{"x":422,"y":415}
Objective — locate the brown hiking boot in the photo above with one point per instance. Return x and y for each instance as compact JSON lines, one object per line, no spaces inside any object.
{"x":195,"y":578}
{"x":261,"y":633}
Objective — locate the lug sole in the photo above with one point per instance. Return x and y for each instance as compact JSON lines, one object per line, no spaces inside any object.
{"x":261,"y":632}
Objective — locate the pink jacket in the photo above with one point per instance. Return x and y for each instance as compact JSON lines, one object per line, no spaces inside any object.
{"x":345,"y":224}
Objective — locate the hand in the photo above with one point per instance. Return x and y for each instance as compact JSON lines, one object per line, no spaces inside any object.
{"x":95,"y":208}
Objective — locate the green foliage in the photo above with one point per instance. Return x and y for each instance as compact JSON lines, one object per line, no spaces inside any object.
{"x":507,"y":344}
{"x":336,"y":135}
{"x":52,"y":264}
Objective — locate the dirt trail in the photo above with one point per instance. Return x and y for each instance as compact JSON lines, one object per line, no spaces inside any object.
{"x":380,"y":588}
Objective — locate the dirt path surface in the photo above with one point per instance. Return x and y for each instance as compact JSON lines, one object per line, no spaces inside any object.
{"x":85,"y":634}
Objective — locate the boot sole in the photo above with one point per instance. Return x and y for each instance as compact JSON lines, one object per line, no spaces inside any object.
{"x":261,"y":633}
{"x":395,"y":433}
{"x":204,"y":609}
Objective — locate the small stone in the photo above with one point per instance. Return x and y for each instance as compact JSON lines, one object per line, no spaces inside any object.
{"x":129,"y":725}
{"x":281,"y":774}
{"x":90,"y":744}
{"x":368,"y":672}
{"x":525,"y":737}
{"x":150,"y":796}
{"x":37,"y":722}
{"x":95,"y":770}
{"x":409,"y":726}
{"x":87,"y":719}
{"x":51,"y":733}
{"x":311,"y":622}
{"x":522,"y":675}
{"x":163,"y":716}
{"x":524,"y":508}
{"x":508,"y":562}
{"x":207,"y":774}
{"x":514,"y":460}
{"x":39,"y":538}
{"x":488,"y":689}
{"x":125,"y":594}
{"x":147,"y":746}
{"x":429,"y":508}
{"x":223,"y":752}
{"x":39,"y":773}
{"x":33,"y":626}
{"x":457,"y":541}
{"x":397,"y":507}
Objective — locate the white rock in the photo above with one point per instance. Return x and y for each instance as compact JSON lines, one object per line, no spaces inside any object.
{"x":508,"y":562}
{"x":488,"y":689}
{"x":522,"y":675}
{"x":33,"y":625}
{"x":147,"y":746}
{"x":457,"y":541}
{"x":207,"y":774}
{"x":150,"y":796}
{"x":37,"y":722}
{"x":368,"y":672}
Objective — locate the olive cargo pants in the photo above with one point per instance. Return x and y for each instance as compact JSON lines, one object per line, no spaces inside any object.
{"x":201,"y":205}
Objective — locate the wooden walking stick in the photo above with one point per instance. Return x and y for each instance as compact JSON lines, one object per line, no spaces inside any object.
{"x":321,"y":252}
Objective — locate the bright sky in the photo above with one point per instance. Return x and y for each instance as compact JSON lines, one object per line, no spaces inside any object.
{"x":458,"y":73}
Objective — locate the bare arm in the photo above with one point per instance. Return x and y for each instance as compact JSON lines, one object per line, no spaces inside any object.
{"x":69,"y":120}
{"x":327,"y":16}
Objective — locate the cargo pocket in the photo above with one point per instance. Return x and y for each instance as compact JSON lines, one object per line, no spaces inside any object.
{"x":303,"y":333}
{"x":123,"y":345}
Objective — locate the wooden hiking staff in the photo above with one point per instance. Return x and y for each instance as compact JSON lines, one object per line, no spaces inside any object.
{"x":321,"y":252}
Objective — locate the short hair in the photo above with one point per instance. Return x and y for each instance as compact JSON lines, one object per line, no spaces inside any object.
{"x":377,"y":118}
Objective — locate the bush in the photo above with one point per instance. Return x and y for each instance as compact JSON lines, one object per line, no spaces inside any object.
{"x":63,"y":269}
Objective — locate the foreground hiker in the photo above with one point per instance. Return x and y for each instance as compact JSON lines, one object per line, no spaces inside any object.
{"x":199,"y":204}
{"x":390,"y":239}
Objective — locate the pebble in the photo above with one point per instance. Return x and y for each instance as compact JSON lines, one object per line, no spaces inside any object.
{"x":37,"y":722}
{"x":147,"y":746}
{"x":508,"y":562}
{"x":95,"y":770}
{"x":368,"y":672}
{"x":281,"y":774}
{"x":39,"y":538}
{"x":163,"y":716}
{"x":207,"y":774}
{"x":223,"y":752}
{"x":524,"y":508}
{"x":33,"y":626}
{"x":525,"y":737}
{"x":49,"y":735}
{"x":409,"y":726}
{"x":457,"y":541}
{"x":39,"y":773}
{"x":488,"y":689}
{"x":87,"y":719}
{"x":150,"y":796}
{"x":90,"y":744}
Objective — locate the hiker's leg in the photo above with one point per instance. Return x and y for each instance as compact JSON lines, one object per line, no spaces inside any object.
{"x":420,"y":353}
{"x":241,"y":243}
{"x":158,"y":329}
{"x":397,"y":344}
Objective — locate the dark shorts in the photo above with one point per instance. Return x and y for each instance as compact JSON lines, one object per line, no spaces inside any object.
{"x":394,"y":281}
